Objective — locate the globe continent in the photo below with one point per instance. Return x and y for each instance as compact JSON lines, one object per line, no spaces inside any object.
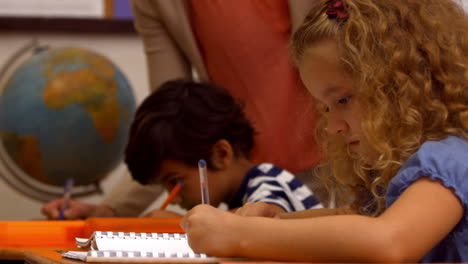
{"x":65,"y":113}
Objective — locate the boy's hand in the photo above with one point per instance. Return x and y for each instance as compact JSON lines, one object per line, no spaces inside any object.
{"x":209,"y":230}
{"x":161,"y":213}
{"x":259,"y":209}
{"x":75,"y":210}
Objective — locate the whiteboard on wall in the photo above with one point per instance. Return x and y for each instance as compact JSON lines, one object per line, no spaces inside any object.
{"x":53,"y":8}
{"x":463,"y":3}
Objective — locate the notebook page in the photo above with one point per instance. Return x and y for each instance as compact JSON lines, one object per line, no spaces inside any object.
{"x":151,"y":242}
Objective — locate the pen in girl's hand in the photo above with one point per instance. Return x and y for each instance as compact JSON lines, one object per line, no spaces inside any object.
{"x":203,"y":181}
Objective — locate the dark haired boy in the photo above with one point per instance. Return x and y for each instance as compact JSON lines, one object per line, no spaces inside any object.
{"x":185,"y":121}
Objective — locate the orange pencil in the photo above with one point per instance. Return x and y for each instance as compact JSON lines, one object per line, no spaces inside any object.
{"x":172,"y":195}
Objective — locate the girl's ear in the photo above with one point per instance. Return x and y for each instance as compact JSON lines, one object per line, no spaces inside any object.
{"x":222,"y":154}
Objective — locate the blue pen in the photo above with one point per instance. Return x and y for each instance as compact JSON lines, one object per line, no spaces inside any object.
{"x":67,"y":189}
{"x":203,"y":181}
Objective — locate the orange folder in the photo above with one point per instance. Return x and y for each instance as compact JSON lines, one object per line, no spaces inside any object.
{"x":63,"y":233}
{"x":40,"y":233}
{"x":146,"y":225}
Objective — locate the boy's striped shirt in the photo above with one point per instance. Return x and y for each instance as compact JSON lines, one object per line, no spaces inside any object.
{"x":270,"y":184}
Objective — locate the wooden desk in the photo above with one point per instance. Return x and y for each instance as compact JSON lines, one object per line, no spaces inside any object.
{"x":34,"y":255}
{"x":51,"y":256}
{"x":47,"y":256}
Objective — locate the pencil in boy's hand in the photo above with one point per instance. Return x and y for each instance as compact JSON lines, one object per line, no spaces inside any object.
{"x":67,"y":189}
{"x":172,"y":195}
{"x":203,"y":181}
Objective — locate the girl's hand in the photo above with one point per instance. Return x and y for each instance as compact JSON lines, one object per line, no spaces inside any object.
{"x":210,"y":230}
{"x":259,"y":209}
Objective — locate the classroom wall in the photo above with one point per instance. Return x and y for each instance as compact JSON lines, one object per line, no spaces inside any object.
{"x":125,"y":50}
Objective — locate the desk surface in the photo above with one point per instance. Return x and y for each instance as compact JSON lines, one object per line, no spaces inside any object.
{"x":46,"y":256}
{"x":36,"y":255}
{"x":51,"y":256}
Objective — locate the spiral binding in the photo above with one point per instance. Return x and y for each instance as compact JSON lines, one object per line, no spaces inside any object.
{"x":133,"y":235}
{"x":143,"y":254}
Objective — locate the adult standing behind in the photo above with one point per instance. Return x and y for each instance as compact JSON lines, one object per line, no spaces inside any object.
{"x":242,"y":46}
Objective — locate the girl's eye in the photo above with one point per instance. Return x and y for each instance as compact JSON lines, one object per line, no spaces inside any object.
{"x":344,"y":100}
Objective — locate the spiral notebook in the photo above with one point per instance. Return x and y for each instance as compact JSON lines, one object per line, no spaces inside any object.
{"x":138,"y":247}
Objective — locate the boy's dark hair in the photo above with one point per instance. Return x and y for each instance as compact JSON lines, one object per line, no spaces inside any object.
{"x":181,"y":121}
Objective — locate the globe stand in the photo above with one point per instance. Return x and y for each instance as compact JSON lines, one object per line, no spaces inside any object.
{"x":13,"y":175}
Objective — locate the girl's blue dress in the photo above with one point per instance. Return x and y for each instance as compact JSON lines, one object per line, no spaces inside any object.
{"x":447,"y":161}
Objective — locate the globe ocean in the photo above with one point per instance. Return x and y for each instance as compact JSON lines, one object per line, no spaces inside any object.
{"x":64,"y":113}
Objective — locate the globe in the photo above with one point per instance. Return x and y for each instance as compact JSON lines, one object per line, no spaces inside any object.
{"x":64,"y":113}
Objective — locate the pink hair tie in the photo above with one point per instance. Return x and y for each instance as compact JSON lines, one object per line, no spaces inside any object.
{"x":336,"y":9}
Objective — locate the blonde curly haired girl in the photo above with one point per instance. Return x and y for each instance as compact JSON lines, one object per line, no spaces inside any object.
{"x":391,"y":78}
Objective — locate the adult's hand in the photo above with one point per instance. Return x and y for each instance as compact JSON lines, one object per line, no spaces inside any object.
{"x":75,"y":210}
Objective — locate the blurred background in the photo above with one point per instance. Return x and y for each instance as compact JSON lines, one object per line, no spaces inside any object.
{"x":40,"y":42}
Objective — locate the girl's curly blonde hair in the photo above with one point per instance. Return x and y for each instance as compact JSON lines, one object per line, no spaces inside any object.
{"x":409,"y":61}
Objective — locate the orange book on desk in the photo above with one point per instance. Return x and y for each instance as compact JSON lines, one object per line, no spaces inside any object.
{"x":139,"y":225}
{"x":40,"y":233}
{"x":63,"y":233}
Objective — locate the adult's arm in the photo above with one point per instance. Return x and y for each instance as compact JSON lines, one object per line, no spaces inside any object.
{"x":128,"y":198}
{"x":165,"y":61}
{"x":164,"y":58}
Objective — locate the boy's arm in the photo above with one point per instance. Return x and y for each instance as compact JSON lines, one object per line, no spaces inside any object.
{"x":128,"y":198}
{"x":317,"y":212}
{"x":272,"y":210}
{"x":259,"y":209}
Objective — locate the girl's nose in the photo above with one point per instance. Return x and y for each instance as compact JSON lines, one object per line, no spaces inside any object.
{"x":336,"y":125}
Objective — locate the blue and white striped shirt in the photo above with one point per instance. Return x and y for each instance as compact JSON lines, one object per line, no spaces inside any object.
{"x":270,"y":184}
